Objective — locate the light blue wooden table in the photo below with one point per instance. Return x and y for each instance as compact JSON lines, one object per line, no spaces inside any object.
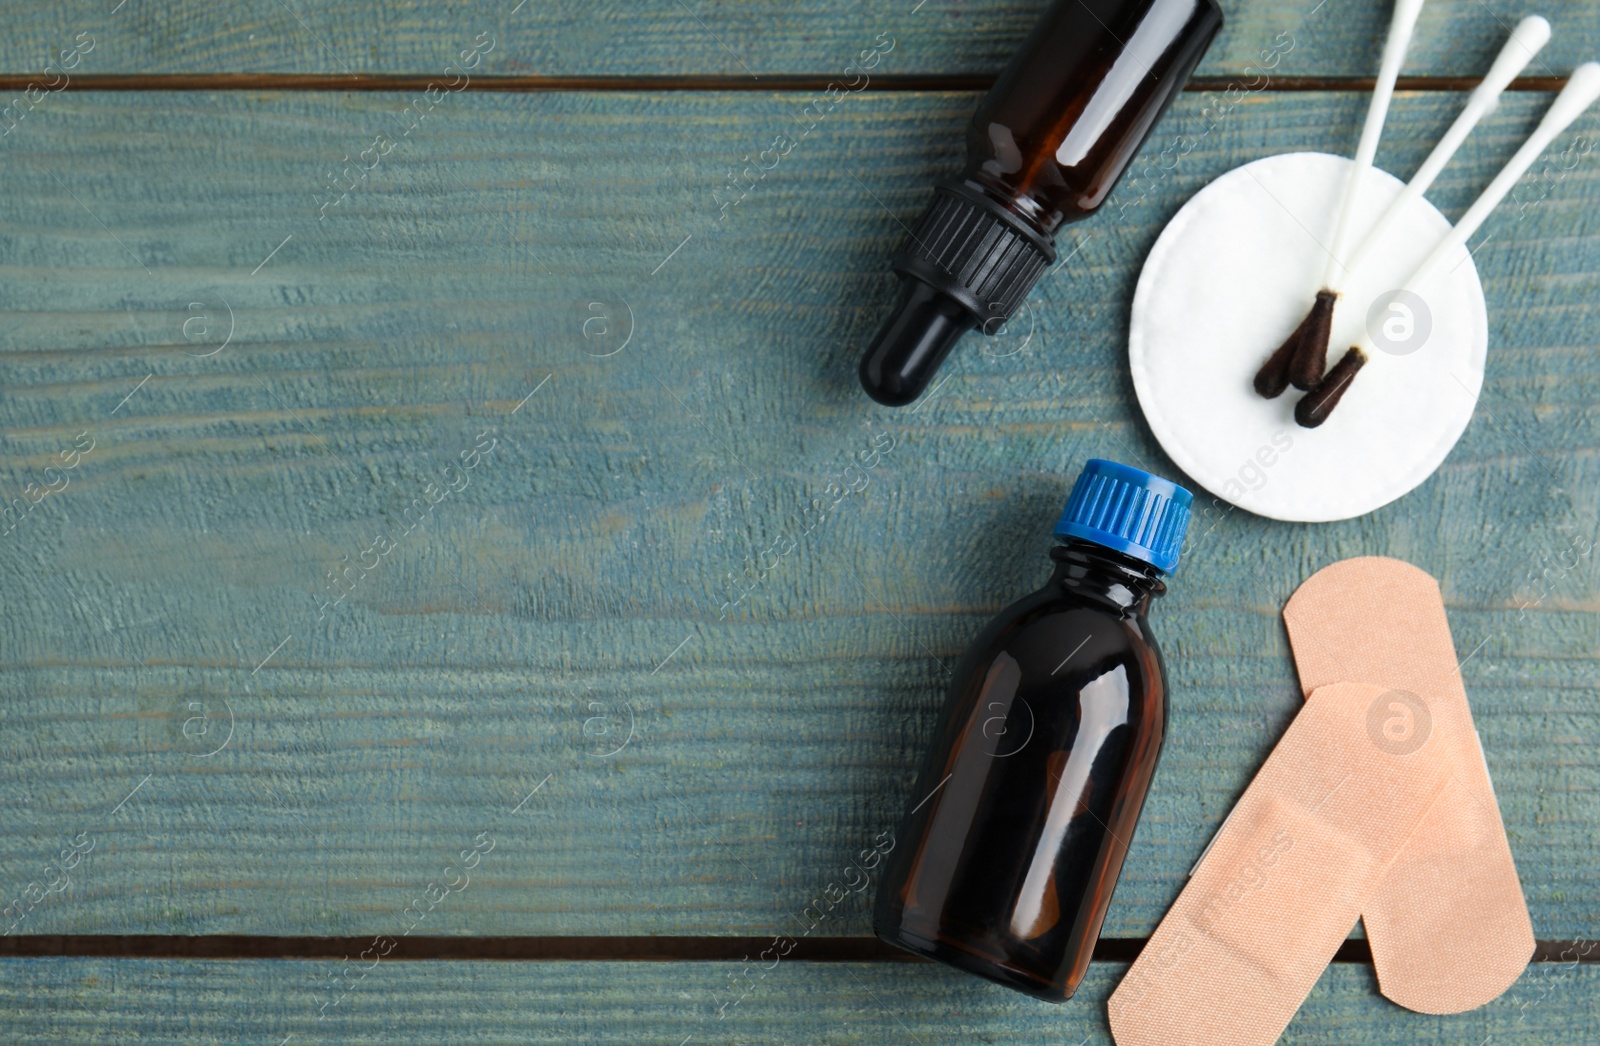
{"x":371,"y":571}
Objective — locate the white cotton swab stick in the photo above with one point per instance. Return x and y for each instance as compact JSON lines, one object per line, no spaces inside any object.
{"x":1303,"y":356}
{"x":1401,"y":24}
{"x":1530,"y":35}
{"x":1582,"y":90}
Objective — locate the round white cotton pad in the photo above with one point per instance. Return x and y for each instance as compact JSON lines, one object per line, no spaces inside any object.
{"x":1234,"y":273}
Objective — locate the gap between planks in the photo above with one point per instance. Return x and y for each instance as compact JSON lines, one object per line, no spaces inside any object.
{"x":780,"y":82}
{"x":573,"y":949}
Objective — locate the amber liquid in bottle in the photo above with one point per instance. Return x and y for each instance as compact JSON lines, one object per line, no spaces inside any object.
{"x":1077,"y":101}
{"x":1034,"y":781}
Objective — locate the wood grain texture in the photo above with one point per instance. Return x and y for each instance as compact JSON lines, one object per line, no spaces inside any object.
{"x":566,"y":601}
{"x":374,"y":83}
{"x":583,"y":38}
{"x":88,"y":1000}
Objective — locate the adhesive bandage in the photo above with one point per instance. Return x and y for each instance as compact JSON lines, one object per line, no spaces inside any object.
{"x":1453,"y":891}
{"x":1284,"y":881}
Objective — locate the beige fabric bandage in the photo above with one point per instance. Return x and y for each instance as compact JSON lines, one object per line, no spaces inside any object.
{"x":1453,"y":891}
{"x":1283,"y":882}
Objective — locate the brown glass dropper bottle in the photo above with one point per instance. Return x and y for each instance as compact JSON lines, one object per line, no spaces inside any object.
{"x":1045,"y":148}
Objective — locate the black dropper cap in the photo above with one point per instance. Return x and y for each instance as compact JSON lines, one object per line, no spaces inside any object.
{"x":969,"y":262}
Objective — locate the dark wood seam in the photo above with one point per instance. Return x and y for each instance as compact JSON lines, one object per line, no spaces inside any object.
{"x":570,"y":949}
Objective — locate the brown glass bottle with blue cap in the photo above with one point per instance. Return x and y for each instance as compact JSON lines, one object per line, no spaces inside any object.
{"x":1027,"y":801}
{"x":1045,"y":148}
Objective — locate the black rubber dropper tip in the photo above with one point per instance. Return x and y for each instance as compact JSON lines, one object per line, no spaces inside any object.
{"x":924,"y":326}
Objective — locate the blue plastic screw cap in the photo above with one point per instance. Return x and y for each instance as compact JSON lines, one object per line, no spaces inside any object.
{"x":1127,"y":510}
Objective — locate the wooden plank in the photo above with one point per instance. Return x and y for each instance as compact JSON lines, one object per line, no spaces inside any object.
{"x":560,"y":619}
{"x":89,"y":1000}
{"x":764,"y":37}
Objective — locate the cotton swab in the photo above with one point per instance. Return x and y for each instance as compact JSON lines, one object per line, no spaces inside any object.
{"x":1527,"y":39}
{"x":1294,"y":361}
{"x":1581,"y":92}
